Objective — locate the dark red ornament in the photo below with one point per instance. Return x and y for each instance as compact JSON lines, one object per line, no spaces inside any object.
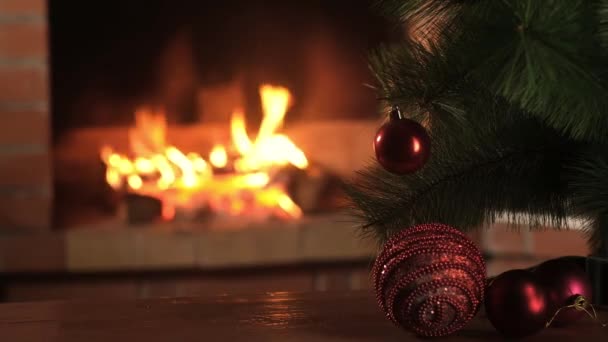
{"x":516,"y":304}
{"x":402,"y":146}
{"x":429,"y":279}
{"x":565,"y":283}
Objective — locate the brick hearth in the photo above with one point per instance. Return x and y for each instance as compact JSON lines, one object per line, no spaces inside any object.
{"x":114,"y":247}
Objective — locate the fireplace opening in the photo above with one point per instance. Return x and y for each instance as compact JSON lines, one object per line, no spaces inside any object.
{"x":190,"y":111}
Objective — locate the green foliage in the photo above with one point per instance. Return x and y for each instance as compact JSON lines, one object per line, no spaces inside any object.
{"x":408,"y":10}
{"x":513,"y":92}
{"x":588,"y":182}
{"x":481,"y":168}
{"x":424,"y":15}
{"x":602,"y":12}
{"x":417,"y":79}
{"x":544,"y":56}
{"x":550,"y":64}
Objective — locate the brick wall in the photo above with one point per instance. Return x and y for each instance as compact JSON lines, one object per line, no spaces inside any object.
{"x":25,"y":172}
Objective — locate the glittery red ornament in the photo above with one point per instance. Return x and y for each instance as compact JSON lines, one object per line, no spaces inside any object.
{"x":516,"y":304}
{"x":429,"y":279}
{"x":402,"y":145}
{"x":564,"y":282}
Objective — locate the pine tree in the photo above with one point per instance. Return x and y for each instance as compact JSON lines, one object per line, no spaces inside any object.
{"x":514,"y":94}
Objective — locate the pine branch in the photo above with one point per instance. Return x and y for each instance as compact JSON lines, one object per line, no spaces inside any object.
{"x":474,"y":174}
{"x":408,"y":10}
{"x":510,"y":90}
{"x":417,"y":78}
{"x":424,"y":18}
{"x":550,"y":64}
{"x":465,"y":199}
{"x":425,"y":79}
{"x":436,"y":77}
{"x":544,"y":56}
{"x":589,"y":190}
{"x":602,"y":13}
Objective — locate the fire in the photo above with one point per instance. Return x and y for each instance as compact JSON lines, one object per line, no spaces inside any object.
{"x":268,"y":149}
{"x":240,"y":183}
{"x":218,"y":156}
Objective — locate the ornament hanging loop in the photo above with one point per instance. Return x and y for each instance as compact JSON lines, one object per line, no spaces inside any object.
{"x":396,"y":113}
{"x":580,"y":303}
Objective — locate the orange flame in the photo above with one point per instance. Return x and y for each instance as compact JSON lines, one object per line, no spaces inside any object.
{"x":269,"y":149}
{"x":218,"y":156}
{"x":188,"y":180}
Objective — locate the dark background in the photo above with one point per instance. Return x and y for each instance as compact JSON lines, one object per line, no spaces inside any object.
{"x":110,"y":56}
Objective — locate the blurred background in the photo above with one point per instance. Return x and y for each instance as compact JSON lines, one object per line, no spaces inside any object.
{"x":176,"y":148}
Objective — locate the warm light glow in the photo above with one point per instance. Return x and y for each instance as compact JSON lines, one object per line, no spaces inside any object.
{"x":275,"y":102}
{"x":148,"y":135}
{"x":289,"y":206}
{"x":168,"y":212}
{"x":186,"y":180}
{"x":536,"y":302}
{"x":269,"y":149}
{"x":240,"y":139}
{"x":113,"y":178}
{"x":198,"y":163}
{"x":114,"y":160}
{"x":189,"y":178}
{"x":218,"y":156}
{"x":167,"y":174}
{"x":143,"y":165}
{"x":416,"y":145}
{"x":135,"y":182}
{"x":125,"y":166}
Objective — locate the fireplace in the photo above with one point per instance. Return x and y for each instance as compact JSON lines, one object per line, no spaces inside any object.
{"x":196,"y":112}
{"x":180,"y":148}
{"x":97,"y":97}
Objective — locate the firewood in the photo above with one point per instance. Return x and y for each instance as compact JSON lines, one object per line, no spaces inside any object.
{"x":313,"y":189}
{"x":142,"y":209}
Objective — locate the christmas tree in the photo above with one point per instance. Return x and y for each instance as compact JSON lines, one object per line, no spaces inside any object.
{"x":514,"y":97}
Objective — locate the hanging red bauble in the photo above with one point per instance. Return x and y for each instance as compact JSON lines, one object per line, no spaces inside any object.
{"x":568,"y":290}
{"x":429,"y":279}
{"x":402,"y":146}
{"x":516,"y":304}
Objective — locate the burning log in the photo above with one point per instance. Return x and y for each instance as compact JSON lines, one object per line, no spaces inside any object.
{"x":313,"y":189}
{"x":142,"y":209}
{"x":85,"y":196}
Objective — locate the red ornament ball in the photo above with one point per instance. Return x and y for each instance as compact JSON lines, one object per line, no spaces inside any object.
{"x":401,"y":145}
{"x":429,"y":279}
{"x":516,"y":304}
{"x":565,"y":283}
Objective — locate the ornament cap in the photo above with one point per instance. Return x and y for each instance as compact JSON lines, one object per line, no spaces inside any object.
{"x":395,"y":113}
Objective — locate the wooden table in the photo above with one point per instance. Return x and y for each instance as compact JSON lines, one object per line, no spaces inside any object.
{"x":269,"y":317}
